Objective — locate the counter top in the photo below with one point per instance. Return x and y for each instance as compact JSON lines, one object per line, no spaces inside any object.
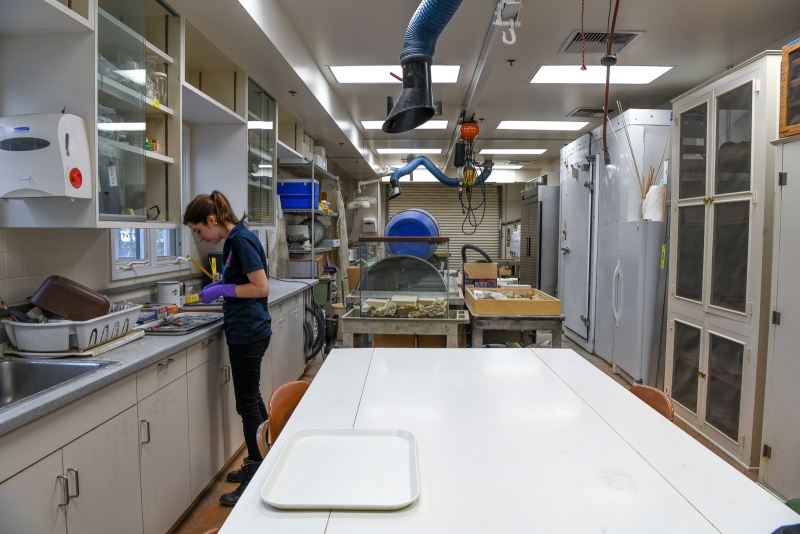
{"x":129,"y":359}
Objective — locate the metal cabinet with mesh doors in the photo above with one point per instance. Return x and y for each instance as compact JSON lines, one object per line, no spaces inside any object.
{"x":721,"y":254}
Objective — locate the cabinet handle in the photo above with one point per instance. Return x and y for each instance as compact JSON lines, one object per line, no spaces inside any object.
{"x":206,"y":343}
{"x":162,"y":366}
{"x":65,"y":487}
{"x":147,"y":424}
{"x":227,"y":373}
{"x":77,"y":482}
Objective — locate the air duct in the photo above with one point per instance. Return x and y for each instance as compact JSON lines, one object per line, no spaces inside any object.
{"x":414,"y":106}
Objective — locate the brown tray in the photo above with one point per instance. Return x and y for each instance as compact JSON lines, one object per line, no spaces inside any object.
{"x":70,"y":300}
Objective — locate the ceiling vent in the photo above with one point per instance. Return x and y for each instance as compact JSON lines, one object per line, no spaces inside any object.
{"x":590,"y":113}
{"x":597,"y":42}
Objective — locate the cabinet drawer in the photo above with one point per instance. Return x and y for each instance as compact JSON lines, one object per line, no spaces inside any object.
{"x":277,"y":311}
{"x":156,"y":376}
{"x":205,"y":351}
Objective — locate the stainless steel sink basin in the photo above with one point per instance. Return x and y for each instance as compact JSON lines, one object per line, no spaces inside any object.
{"x":23,"y":379}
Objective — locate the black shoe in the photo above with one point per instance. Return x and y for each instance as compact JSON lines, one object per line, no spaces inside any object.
{"x":249,"y":469}
{"x":238,"y":475}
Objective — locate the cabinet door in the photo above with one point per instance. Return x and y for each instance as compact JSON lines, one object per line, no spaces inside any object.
{"x":231,"y":422}
{"x":206,"y":436}
{"x":29,"y":501}
{"x":295,"y":338}
{"x":164,"y":453}
{"x":288,"y":360}
{"x":103,"y":471}
{"x":266,"y":374}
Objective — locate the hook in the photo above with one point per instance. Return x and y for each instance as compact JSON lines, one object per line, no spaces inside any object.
{"x":513,"y":39}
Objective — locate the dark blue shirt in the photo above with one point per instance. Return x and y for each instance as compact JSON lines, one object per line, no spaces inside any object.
{"x":246,"y":320}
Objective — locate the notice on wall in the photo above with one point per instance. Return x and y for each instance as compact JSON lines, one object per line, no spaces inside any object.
{"x":112,"y":176}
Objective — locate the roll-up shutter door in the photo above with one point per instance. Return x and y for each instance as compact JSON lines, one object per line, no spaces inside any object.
{"x":442,"y":202}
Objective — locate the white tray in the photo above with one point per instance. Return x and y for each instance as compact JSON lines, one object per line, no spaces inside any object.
{"x":348,"y":469}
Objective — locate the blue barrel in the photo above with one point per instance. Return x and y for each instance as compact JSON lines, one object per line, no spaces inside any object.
{"x":412,"y":223}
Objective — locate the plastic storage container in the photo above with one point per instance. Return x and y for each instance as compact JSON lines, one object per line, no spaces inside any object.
{"x":295,"y":194}
{"x":61,"y":336}
{"x":412,"y":223}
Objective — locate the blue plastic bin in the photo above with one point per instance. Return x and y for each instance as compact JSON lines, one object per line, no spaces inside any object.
{"x":295,"y":194}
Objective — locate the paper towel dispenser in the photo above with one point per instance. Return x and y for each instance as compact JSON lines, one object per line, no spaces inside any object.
{"x":44,"y":155}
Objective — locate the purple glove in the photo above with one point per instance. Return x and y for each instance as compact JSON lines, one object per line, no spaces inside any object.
{"x":213,"y":292}
{"x":212,"y":284}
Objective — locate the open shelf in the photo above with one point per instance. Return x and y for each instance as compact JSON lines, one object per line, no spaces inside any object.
{"x":122,"y":146}
{"x":162,"y":56}
{"x":284,"y":152}
{"x":199,"y":108}
{"x":303,"y":169}
{"x":316,"y":212}
{"x":151,"y":109}
{"x":39,"y":16}
{"x":149,"y":154}
{"x":308,"y":250}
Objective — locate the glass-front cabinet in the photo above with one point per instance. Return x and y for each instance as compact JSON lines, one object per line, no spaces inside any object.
{"x":720,"y":245}
{"x":261,"y":147}
{"x":121,"y":87}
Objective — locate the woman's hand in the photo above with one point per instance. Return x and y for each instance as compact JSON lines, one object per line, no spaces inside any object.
{"x":214,"y":291}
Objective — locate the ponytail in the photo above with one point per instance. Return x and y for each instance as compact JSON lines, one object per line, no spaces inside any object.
{"x":203,"y":206}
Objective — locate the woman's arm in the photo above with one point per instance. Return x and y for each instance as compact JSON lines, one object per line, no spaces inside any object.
{"x":257,"y":288}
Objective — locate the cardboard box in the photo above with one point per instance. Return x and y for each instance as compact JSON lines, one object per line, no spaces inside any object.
{"x":394,"y":341}
{"x":300,"y":265}
{"x":480,"y":274}
{"x":548,"y":307}
{"x":432,"y":342}
{"x":505,"y":271}
{"x":353,"y":274}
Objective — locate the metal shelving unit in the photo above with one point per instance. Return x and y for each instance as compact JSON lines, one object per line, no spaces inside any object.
{"x":300,"y":168}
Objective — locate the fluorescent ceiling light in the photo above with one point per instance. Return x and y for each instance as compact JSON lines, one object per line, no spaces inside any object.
{"x":122,"y":126}
{"x":507,"y":167}
{"x":409,"y":150}
{"x":620,"y":74}
{"x":526,"y":151}
{"x":383,"y":73}
{"x":259,"y":125}
{"x":430,"y":125}
{"x":265,"y":167}
{"x":541,"y":125}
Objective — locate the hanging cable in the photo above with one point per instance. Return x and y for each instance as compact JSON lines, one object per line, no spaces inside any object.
{"x":608,"y":61}
{"x":583,"y":38}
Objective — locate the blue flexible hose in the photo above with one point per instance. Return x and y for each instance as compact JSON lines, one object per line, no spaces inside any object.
{"x":426,"y":25}
{"x":428,"y":164}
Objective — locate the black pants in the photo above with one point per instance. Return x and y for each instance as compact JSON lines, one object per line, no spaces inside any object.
{"x":246,"y":373}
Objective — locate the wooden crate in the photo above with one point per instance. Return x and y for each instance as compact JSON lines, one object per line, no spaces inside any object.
{"x":790,"y":91}
{"x":548,"y":307}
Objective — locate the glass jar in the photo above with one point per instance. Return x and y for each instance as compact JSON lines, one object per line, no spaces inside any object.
{"x":160,"y":80}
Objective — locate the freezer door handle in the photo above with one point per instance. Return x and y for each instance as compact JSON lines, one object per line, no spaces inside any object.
{"x":617,"y":273}
{"x":564,"y":249}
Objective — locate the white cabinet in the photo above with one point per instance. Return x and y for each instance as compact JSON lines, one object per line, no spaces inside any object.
{"x":31,"y":501}
{"x":781,"y":471}
{"x":103,"y":471}
{"x":288,"y":360}
{"x":206,"y":436}
{"x":231,"y":422}
{"x":720,"y":252}
{"x":164,"y":453}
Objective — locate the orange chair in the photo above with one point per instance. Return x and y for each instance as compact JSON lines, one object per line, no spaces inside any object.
{"x":281,"y":406}
{"x":656,"y":399}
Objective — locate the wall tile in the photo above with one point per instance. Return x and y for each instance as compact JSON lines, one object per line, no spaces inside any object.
{"x":79,"y":259}
{"x":32,"y":283}
{"x":15,"y":290}
{"x":2,"y":239}
{"x":15,"y":263}
{"x":14,"y":241}
{"x":65,"y":262}
{"x":34,"y":260}
{"x":2,"y":265}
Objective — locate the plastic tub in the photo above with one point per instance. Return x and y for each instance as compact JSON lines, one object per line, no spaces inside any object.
{"x":61,"y":336}
{"x":295,"y":194}
{"x":412,"y":223}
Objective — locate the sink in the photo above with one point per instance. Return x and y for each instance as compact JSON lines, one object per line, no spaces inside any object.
{"x":22,"y":379}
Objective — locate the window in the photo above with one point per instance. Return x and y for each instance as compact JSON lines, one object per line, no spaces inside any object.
{"x":146,"y":252}
{"x":168,"y":243}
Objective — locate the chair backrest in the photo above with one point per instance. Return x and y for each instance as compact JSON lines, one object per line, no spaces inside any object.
{"x":656,"y":399}
{"x":261,"y":438}
{"x":281,"y":406}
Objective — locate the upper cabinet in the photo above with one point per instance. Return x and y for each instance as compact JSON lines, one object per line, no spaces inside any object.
{"x":261,"y":159}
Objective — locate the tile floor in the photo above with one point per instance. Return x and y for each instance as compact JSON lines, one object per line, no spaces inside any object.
{"x":207,"y":513}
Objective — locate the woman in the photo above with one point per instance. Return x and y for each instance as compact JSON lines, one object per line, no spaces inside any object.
{"x":248,"y":328}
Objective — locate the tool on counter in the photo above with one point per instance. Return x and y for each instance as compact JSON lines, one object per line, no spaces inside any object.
{"x":14,"y":314}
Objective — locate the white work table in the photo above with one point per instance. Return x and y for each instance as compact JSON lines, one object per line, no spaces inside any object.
{"x":516,"y":440}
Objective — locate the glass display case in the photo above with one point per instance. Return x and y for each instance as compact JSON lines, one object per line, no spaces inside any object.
{"x":404,"y":277}
{"x":121,"y":88}
{"x":261,"y":147}
{"x":790,"y":90}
